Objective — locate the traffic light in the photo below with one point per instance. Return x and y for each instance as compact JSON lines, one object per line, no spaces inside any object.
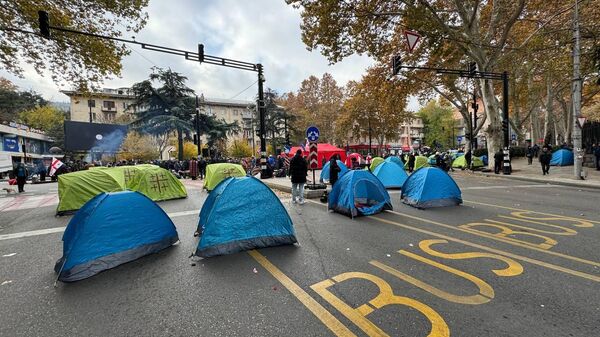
{"x":44,"y":24}
{"x":201,"y":52}
{"x":396,"y":64}
{"x":472,"y":69}
{"x":505,"y":125}
{"x":195,"y":139}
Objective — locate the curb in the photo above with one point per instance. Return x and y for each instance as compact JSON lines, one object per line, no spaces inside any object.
{"x":308,"y":194}
{"x":540,"y":180}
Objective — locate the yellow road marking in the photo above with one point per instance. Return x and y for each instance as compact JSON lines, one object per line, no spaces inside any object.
{"x":489,"y":249}
{"x":526,"y":210}
{"x":505,"y":232}
{"x":310,"y":303}
{"x":493,"y":237}
{"x":564,"y":230}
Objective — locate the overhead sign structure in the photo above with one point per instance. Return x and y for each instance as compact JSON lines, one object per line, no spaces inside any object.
{"x":412,"y":38}
{"x":313,"y":159}
{"x":312,"y":133}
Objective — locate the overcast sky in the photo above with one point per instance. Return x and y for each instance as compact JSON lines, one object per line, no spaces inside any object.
{"x":257,"y":31}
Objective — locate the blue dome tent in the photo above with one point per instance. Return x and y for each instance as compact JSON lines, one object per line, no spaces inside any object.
{"x":430,"y":187}
{"x":394,"y":159}
{"x":242,"y":213}
{"x":562,"y":157}
{"x":390,"y":174}
{"x":104,"y":234}
{"x":484,"y":159}
{"x":325,"y":171}
{"x":359,"y":192}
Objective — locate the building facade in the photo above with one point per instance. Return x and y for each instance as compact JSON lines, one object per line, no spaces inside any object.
{"x":20,"y":143}
{"x":107,"y":105}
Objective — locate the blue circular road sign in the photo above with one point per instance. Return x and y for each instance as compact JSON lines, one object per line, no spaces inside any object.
{"x":312,"y":133}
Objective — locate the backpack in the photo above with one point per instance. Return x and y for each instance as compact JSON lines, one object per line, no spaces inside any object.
{"x":21,"y":172}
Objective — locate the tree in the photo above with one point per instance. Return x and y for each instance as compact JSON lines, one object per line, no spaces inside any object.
{"x":277,"y":118}
{"x":137,"y":147}
{"x":239,"y":149}
{"x":48,"y":119}
{"x":438,"y":122}
{"x":68,"y":57}
{"x":13,"y":101}
{"x":190,"y":150}
{"x":164,"y":109}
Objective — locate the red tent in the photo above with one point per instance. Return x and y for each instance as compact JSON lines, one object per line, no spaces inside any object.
{"x":324,"y":150}
{"x":348,"y":161}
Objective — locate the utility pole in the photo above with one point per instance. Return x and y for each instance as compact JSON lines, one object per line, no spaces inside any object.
{"x":261,"y":114}
{"x":370,"y":134}
{"x":199,"y":143}
{"x":576,"y":133}
{"x":91,"y":104}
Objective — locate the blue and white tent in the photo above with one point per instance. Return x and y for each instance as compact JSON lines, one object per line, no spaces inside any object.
{"x":562,"y":157}
{"x":484,"y":159}
{"x":430,"y":187}
{"x":325,"y":170}
{"x":242,"y":213}
{"x":359,"y":192}
{"x":112,"y":229}
{"x":390,"y":174}
{"x":394,"y":159}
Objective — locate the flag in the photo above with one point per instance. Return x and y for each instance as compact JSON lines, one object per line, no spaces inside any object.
{"x":56,"y":164}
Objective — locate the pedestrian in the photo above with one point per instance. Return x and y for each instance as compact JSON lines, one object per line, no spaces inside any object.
{"x":193,"y":165}
{"x":411,"y":162}
{"x":202,"y":167}
{"x":448,"y":161}
{"x":536,"y":150}
{"x":529,"y":154}
{"x":597,"y":155}
{"x":545,"y":158}
{"x":468,"y":158}
{"x":334,"y":169}
{"x":298,"y":172}
{"x":21,"y":173}
{"x":498,"y":157}
{"x":368,"y":159}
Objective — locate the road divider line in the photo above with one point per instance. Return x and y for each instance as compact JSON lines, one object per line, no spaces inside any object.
{"x":493,"y":237}
{"x":527,"y":210}
{"x":62,"y":229}
{"x":489,"y":249}
{"x":310,"y":303}
{"x":503,"y":186}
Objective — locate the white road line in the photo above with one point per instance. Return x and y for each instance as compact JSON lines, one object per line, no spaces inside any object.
{"x":508,"y":186}
{"x":62,"y":229}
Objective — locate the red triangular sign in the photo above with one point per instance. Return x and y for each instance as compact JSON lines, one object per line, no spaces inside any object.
{"x":412,"y":38}
{"x":581,"y":121}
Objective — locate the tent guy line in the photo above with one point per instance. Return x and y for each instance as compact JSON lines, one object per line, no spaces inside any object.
{"x":61,"y":229}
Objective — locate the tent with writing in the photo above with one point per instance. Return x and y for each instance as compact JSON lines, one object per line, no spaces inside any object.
{"x":112,"y":229}
{"x":324,"y":177}
{"x":77,"y":188}
{"x":157,"y":184}
{"x":215,"y":173}
{"x":359,"y":192}
{"x":390,"y":174}
{"x":562,"y":157}
{"x":430,"y":187}
{"x":242,"y":214}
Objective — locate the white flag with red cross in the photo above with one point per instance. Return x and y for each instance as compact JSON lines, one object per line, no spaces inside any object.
{"x":56,"y":164}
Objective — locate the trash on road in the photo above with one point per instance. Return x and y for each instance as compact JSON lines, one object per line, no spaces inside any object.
{"x":254,"y":271}
{"x":6,"y":282}
{"x":9,"y":255}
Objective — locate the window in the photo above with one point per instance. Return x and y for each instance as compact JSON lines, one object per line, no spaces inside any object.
{"x":235,"y":112}
{"x":110,"y":105}
{"x":124,"y":106}
{"x":91,"y":103}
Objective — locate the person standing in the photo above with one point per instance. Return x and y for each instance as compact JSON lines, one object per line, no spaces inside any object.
{"x":596,"y":151}
{"x":498,"y":157}
{"x":411,"y":162}
{"x":202,"y":167}
{"x":193,"y":169}
{"x":529,"y":155}
{"x":468,"y":158}
{"x":298,"y":172}
{"x":21,"y":173}
{"x":368,"y":159}
{"x":545,"y":158}
{"x":334,"y":169}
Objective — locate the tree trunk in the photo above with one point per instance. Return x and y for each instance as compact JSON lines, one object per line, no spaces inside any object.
{"x":493,"y":132}
{"x":548,"y":120}
{"x":179,"y":144}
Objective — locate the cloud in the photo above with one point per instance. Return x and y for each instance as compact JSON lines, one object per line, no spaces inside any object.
{"x":258,"y":31}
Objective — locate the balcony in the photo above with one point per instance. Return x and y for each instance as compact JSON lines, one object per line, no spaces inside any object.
{"x":109,"y":109}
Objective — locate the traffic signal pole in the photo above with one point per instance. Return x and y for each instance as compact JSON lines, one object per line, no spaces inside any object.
{"x":506,"y":166}
{"x":199,"y":56}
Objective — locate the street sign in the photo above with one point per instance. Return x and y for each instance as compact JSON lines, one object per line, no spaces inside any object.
{"x":412,"y":38}
{"x":312,"y":133}
{"x":513,"y":137}
{"x":286,"y":149}
{"x":581,"y":121}
{"x":313,"y":159}
{"x":459,"y":138}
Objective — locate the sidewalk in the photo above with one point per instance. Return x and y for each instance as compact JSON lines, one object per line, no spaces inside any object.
{"x":559,"y":175}
{"x":285,"y":185}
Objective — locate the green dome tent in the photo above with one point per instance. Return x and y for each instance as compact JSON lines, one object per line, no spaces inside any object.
{"x":157,"y":184}
{"x":215,"y":173}
{"x":375,"y":162}
{"x":75,"y":189}
{"x":461,"y":162}
{"x":420,"y":161}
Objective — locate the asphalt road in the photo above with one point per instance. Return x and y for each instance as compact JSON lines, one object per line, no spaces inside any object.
{"x":516,"y":259}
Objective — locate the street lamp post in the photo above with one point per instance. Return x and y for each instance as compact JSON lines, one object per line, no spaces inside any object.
{"x":91,"y":104}
{"x":369,"y":121}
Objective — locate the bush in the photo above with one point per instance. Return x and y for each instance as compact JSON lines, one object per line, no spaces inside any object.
{"x":515,"y":152}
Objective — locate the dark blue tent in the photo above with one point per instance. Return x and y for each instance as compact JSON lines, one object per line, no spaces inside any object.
{"x":562,"y":157}
{"x":430,"y":187}
{"x":325,"y":171}
{"x":359,"y":192}
{"x":241,"y":214}
{"x":484,"y":159}
{"x":394,"y":159}
{"x":112,"y":229}
{"x":390,"y":174}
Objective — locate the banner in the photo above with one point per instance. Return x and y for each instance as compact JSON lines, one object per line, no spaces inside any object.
{"x":11,"y":144}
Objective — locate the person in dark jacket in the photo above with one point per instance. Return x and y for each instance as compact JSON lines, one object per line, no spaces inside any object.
{"x":545,"y":158}
{"x":596,"y":151}
{"x":21,"y":173}
{"x":202,"y":167}
{"x":411,"y":162}
{"x":298,"y":171}
{"x":498,"y":157}
{"x":193,"y":166}
{"x":334,"y":169}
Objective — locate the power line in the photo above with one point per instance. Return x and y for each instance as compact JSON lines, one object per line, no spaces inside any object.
{"x":248,"y":87}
